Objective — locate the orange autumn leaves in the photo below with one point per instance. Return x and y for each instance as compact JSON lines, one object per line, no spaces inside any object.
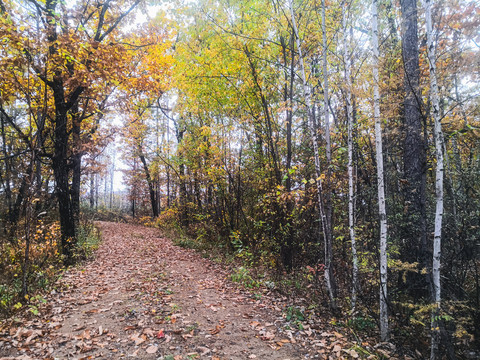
{"x":129,"y":60}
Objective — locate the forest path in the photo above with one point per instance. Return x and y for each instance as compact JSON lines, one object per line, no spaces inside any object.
{"x":143,"y":297}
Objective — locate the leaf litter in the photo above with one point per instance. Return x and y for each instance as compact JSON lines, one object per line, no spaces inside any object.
{"x":143,"y":297}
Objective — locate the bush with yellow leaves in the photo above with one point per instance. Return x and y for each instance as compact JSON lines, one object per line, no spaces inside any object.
{"x":28,"y":263}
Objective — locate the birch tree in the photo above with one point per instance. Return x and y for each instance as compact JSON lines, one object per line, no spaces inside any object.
{"x":380,"y":178}
{"x":350,"y":124}
{"x":437,"y":239}
{"x":329,"y":277}
{"x":318,"y":172}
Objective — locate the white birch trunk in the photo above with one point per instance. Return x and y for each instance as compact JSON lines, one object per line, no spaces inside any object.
{"x":318,"y":173}
{"x":380,"y":179}
{"x":351,"y":189}
{"x":328,"y":204}
{"x":437,"y":240}
{"x":326,"y":108}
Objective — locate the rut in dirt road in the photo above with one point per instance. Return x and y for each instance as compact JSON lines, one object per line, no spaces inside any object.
{"x":143,"y":297}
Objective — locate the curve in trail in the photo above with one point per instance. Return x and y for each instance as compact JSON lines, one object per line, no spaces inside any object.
{"x":143,"y":297}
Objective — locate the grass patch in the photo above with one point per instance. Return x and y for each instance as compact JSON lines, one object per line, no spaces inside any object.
{"x":186,"y":242}
{"x":242,"y":275}
{"x":88,"y":240}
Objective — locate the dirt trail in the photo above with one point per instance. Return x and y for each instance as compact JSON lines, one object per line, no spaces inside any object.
{"x":144,"y":297}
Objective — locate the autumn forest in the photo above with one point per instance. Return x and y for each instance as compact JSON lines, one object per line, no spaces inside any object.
{"x":327,"y":150}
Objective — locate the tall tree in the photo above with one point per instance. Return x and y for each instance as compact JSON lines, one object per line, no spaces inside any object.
{"x":318,"y":173}
{"x":415,"y":161}
{"x":350,"y":141}
{"x":380,"y":179}
{"x":329,"y":274}
{"x":67,"y":60}
{"x":439,"y":173}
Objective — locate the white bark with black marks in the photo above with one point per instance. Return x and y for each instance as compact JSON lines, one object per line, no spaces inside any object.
{"x":351,"y":186}
{"x":437,"y":239}
{"x":318,"y":173}
{"x":380,"y":179}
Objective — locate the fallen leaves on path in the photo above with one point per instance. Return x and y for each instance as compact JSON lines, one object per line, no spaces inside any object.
{"x":143,"y":297}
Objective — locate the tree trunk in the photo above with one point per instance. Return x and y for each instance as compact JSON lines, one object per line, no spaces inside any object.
{"x":437,"y":324}
{"x":61,"y":143}
{"x":151,"y":189}
{"x":380,"y":179}
{"x":8,"y":191}
{"x":105,"y":188}
{"x":96,"y":191}
{"x":182,"y":185}
{"x":76,"y":167}
{"x":60,"y":170}
{"x":287,"y":243}
{"x":351,"y":187}
{"x":330,"y":279}
{"x":92,"y":191}
{"x":268,"y":117}
{"x":415,"y":231}
{"x":134,"y":190}
{"x":318,"y":173}
{"x":112,"y":175}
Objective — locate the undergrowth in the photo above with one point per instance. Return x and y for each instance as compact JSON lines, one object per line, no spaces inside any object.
{"x":103,"y":214}
{"x":88,"y":240}
{"x":23,"y":283}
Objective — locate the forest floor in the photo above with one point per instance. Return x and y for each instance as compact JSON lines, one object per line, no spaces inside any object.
{"x":141,"y":296}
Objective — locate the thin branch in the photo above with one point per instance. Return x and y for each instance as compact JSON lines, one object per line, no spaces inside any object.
{"x":119,"y":19}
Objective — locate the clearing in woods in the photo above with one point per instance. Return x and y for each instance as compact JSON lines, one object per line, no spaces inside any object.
{"x":143,"y":297}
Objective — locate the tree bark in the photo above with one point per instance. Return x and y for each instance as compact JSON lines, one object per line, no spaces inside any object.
{"x":76,"y":159}
{"x":384,"y":330}
{"x":8,"y":171}
{"x":60,"y":170}
{"x":182,"y":182}
{"x":351,"y":187}
{"x":436,"y":324}
{"x":289,"y":74}
{"x":415,"y":231}
{"x":92,"y":191}
{"x":329,"y":280}
{"x":151,"y":189}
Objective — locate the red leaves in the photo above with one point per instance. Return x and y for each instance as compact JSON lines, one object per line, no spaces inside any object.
{"x":160,"y":334}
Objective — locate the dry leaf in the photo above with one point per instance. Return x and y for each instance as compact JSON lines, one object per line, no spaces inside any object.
{"x":353,"y":354}
{"x":152,"y":349}
{"x":268,"y":336}
{"x":138,"y":339}
{"x":135,"y":353}
{"x":186,"y":336}
{"x":86,"y":334}
{"x":215,"y":331}
{"x":204,"y":350}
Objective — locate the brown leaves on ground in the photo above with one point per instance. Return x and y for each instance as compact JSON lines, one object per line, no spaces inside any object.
{"x":145,"y":298}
